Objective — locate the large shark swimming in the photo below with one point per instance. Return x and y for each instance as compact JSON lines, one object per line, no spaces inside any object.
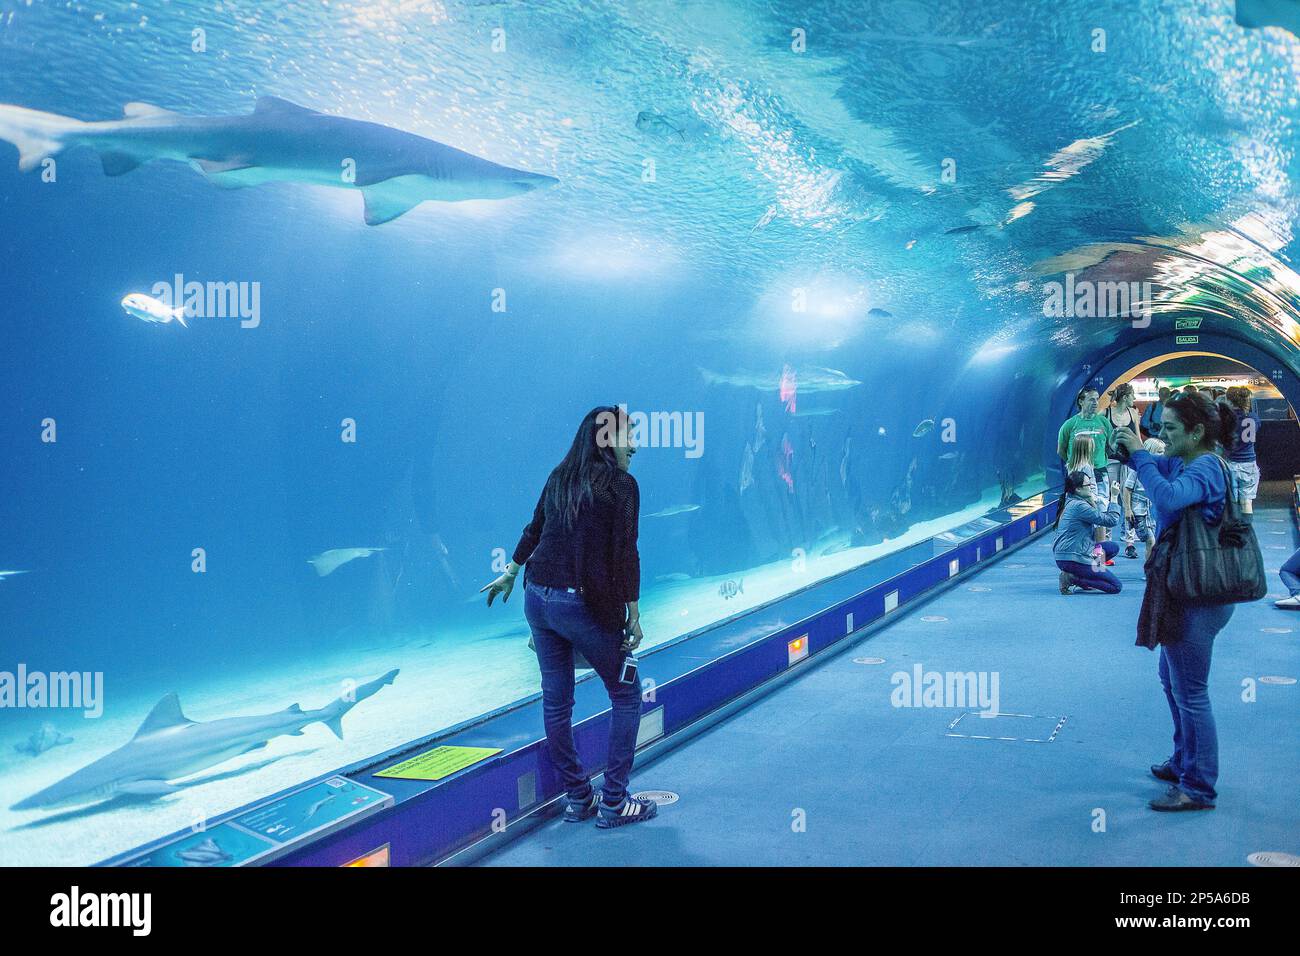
{"x":169,"y":746}
{"x":278,"y":142}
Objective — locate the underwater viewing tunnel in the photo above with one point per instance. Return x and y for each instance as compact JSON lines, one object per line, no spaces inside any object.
{"x":877,"y":313}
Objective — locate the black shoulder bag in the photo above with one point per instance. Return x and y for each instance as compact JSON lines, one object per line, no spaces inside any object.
{"x":1216,"y":563}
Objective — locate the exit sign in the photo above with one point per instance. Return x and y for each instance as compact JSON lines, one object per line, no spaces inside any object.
{"x":1187,"y":339}
{"x":1187,"y":324}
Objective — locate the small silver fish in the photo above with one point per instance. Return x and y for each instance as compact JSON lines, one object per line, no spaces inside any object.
{"x":948,"y":457}
{"x":729,"y":589}
{"x":923,"y":427}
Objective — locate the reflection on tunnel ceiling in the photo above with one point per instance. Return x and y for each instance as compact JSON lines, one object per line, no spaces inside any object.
{"x":933,"y":162}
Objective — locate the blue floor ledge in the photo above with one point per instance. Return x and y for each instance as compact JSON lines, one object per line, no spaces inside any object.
{"x":470,"y":812}
{"x":786,"y":751}
{"x":826,"y":770}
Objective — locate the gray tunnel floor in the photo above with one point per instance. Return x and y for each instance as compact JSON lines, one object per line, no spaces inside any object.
{"x":825,"y":770}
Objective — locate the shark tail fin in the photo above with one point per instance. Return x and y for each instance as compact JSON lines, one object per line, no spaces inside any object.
{"x":37,"y":135}
{"x":331,"y":715}
{"x":178,"y":314}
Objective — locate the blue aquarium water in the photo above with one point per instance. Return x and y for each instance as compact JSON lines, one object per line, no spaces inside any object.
{"x":808,"y":245}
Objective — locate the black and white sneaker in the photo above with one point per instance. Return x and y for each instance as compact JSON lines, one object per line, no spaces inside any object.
{"x":575,"y":811}
{"x":631,"y":810}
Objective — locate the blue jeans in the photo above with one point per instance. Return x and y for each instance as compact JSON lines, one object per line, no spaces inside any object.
{"x":1094,"y":578}
{"x":1291,"y":574}
{"x":1185,"y":674}
{"x":560,"y":622}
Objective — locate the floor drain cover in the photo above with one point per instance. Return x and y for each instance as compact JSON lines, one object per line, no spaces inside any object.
{"x":660,"y":797}
{"x":980,"y":588}
{"x":934,"y":618}
{"x":1276,"y":630}
{"x":1274,"y":679}
{"x":868,"y":660}
{"x":1273,"y":859}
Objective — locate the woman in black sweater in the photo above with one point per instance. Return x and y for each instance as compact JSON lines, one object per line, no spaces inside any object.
{"x":580,"y":593}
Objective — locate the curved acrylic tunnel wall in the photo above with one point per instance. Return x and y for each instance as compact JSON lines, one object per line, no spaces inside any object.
{"x":843,"y":267}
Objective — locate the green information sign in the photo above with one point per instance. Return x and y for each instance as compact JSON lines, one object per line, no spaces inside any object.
{"x":1187,"y":324}
{"x":438,"y":763}
{"x":1187,"y":339}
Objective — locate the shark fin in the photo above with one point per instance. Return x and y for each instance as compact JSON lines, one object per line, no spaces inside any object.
{"x":274,"y":105}
{"x":135,"y":110}
{"x":147,"y":788}
{"x":165,"y":714}
{"x":219,"y":171}
{"x":293,"y":709}
{"x":385,"y":204}
{"x":335,"y":724}
{"x":37,"y":135}
{"x":115,"y":164}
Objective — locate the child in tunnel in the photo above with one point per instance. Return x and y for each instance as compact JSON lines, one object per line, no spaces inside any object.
{"x":1081,"y":458}
{"x":1079,"y":513}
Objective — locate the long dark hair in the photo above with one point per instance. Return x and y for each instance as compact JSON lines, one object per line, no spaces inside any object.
{"x":1074,"y":481}
{"x":590,"y":465}
{"x":1197,"y":408}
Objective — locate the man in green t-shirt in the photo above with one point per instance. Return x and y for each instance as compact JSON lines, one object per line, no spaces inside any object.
{"x":1088,"y":422}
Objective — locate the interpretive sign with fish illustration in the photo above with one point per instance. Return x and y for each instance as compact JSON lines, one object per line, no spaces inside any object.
{"x":267,"y":831}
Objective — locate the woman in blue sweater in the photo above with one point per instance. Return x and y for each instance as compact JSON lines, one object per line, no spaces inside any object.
{"x":1189,"y":482}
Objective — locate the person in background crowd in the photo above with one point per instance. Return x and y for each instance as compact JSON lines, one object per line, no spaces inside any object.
{"x":1091,"y":424}
{"x":1151,"y":416}
{"x":1137,"y":509}
{"x":1120,"y":414}
{"x":1190,"y":389}
{"x":1078,"y":513}
{"x":1082,"y":455}
{"x":1189,"y":484}
{"x":1241,"y":455}
{"x":1290,"y":573}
